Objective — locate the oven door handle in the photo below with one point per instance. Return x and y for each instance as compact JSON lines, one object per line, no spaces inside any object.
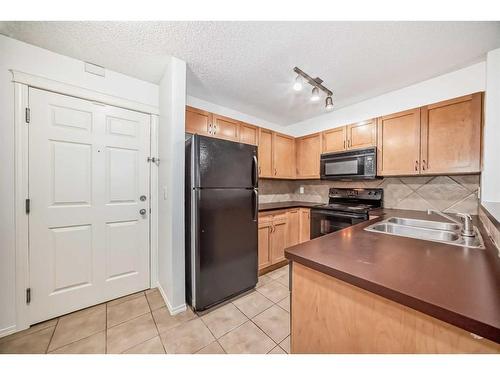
{"x":337,"y":214}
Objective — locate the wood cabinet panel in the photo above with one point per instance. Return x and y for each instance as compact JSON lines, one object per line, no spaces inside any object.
{"x":264,"y":236}
{"x":265,"y":152}
{"x":283,"y":156}
{"x":362,"y":134}
{"x":451,"y":136}
{"x":334,"y":140}
{"x":249,"y":134}
{"x":225,"y":128}
{"x":293,"y":227}
{"x":399,"y":143}
{"x":279,"y":238}
{"x":331,"y":316}
{"x":305,"y":225}
{"x":308,"y":153}
{"x":198,"y":121}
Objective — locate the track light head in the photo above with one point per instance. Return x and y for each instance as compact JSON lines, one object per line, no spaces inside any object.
{"x":329,"y":103}
{"x":315,"y":94}
{"x":298,"y":85}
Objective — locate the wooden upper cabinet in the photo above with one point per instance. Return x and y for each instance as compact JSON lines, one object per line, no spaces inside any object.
{"x":265,"y":152}
{"x":225,"y":128}
{"x":308,"y":153}
{"x":293,"y":235}
{"x":198,"y":121}
{"x":451,"y":136}
{"x":334,"y":140}
{"x":362,"y":134}
{"x":399,"y":143}
{"x":249,"y":134}
{"x":283,"y":156}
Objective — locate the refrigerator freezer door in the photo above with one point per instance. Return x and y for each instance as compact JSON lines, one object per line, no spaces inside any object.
{"x":225,"y":164}
{"x":226,"y":251}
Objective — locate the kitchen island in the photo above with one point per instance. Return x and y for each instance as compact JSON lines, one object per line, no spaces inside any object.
{"x":355,"y":291}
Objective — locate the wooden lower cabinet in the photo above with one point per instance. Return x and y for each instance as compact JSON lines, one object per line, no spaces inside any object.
{"x":264,"y":243}
{"x":278,"y":230}
{"x":293,"y":237}
{"x":331,"y":316}
{"x":304,"y":224}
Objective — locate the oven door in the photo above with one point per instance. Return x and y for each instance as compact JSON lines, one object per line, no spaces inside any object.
{"x":326,"y":221}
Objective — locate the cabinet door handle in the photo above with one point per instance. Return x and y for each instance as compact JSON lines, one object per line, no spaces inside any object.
{"x":209,"y":128}
{"x":344,"y":143}
{"x":423,"y":164}
{"x":215,"y":129}
{"x":275,"y":171}
{"x":416,"y":165}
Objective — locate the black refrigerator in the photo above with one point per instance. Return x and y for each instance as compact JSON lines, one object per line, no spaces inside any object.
{"x":221,"y":220}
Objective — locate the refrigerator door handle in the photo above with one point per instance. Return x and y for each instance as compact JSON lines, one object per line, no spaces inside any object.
{"x":255,"y":205}
{"x":255,"y":172}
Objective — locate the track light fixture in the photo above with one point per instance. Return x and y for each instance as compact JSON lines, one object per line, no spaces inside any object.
{"x":315,"y":94}
{"x":298,"y":85}
{"x":328,"y":103}
{"x":317,"y":85}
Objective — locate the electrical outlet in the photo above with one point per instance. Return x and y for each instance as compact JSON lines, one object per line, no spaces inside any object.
{"x":301,"y":190}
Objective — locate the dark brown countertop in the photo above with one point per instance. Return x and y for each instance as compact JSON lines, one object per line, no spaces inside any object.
{"x":284,"y":205}
{"x":457,"y":285}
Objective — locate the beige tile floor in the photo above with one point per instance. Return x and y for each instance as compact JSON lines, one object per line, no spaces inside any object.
{"x":258,"y":322}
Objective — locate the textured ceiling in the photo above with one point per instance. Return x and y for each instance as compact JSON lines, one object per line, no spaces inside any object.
{"x":247,"y":66}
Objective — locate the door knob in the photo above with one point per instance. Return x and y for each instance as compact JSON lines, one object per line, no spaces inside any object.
{"x":142,"y":211}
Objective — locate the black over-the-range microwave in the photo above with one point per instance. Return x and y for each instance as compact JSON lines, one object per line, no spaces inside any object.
{"x":349,"y":165}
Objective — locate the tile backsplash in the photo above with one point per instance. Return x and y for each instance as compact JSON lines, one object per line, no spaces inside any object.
{"x":444,"y":193}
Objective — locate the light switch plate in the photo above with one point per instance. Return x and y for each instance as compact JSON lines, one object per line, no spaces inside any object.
{"x":301,"y":190}
{"x":164,"y":193}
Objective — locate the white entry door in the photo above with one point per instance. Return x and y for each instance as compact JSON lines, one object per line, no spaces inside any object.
{"x":88,"y":181}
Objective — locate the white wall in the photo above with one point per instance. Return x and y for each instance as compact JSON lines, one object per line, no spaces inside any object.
{"x":30,"y":59}
{"x":171,"y":185}
{"x":461,"y":82}
{"x":228,"y":112}
{"x":490,"y":178}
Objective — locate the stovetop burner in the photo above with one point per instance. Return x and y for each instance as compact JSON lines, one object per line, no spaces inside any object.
{"x":348,"y":207}
{"x":353,"y":200}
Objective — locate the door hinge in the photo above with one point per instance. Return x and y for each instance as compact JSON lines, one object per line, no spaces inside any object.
{"x":153,"y":160}
{"x":28,"y":205}
{"x":28,"y":296}
{"x":27,"y":115}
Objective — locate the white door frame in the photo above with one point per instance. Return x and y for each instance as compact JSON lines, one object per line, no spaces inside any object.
{"x":22,"y":83}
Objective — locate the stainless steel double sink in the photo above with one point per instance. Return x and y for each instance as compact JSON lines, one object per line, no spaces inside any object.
{"x":436,"y":231}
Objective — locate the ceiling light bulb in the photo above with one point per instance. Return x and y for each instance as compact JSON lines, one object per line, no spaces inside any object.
{"x":329,"y":103}
{"x":315,"y":94}
{"x":297,"y":86}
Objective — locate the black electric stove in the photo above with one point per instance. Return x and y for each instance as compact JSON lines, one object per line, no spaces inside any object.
{"x":345,"y":207}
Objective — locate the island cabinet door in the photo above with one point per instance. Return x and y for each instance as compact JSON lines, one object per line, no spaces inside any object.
{"x":293,"y":227}
{"x":451,"y":136}
{"x":334,"y":140}
{"x":225,"y":128}
{"x":308,"y":153}
{"x":305,"y":224}
{"x":399,"y":143}
{"x":362,"y":134}
{"x":198,"y":121}
{"x":264,"y":247}
{"x":283,"y":156}
{"x":279,"y":238}
{"x":265,"y":150}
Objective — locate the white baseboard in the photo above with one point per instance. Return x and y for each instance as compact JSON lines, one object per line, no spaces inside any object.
{"x":7,"y":331}
{"x":172,"y":310}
